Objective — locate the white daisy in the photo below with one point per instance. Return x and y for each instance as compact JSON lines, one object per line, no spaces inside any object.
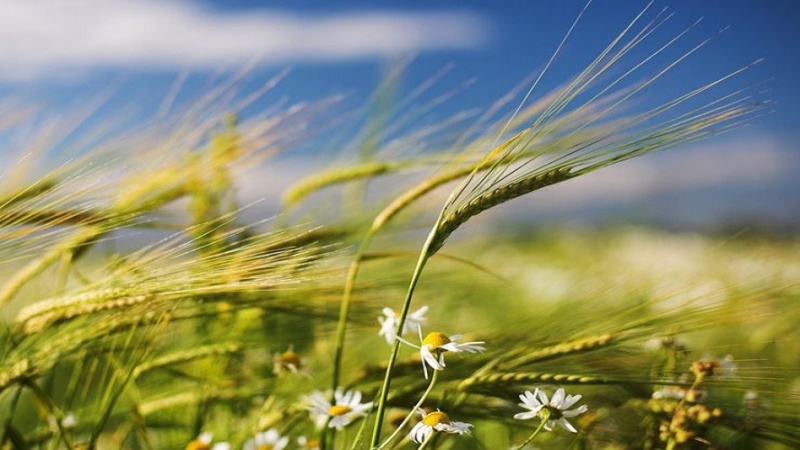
{"x":288,"y":361}
{"x":558,"y":408}
{"x":435,"y":344}
{"x":266,"y":440}
{"x":389,"y":323}
{"x":438,"y":421}
{"x":729,"y":367}
{"x":346,"y":408}
{"x":203,"y":442}
{"x":69,"y":421}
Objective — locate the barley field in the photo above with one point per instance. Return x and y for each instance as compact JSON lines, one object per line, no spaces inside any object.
{"x":146,"y":305}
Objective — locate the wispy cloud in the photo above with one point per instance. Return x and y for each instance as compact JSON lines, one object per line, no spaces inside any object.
{"x":47,"y":37}
{"x":710,"y":170}
{"x":756,"y":160}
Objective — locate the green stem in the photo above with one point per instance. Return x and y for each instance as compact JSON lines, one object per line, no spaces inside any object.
{"x":11,"y":414}
{"x":413,"y":411}
{"x":51,"y":409}
{"x":427,"y":441}
{"x":360,"y":433}
{"x":424,"y":255}
{"x":344,"y":309}
{"x":345,"y":434}
{"x":545,"y":416}
{"x":326,"y":435}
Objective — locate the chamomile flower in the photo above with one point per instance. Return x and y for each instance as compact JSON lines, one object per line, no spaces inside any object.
{"x":728,"y":367}
{"x":389,"y":323}
{"x":203,"y":442}
{"x":69,"y":421}
{"x":435,"y":344}
{"x":346,"y":408}
{"x":436,"y":421}
{"x":558,"y":408}
{"x":288,"y":361}
{"x":266,"y":440}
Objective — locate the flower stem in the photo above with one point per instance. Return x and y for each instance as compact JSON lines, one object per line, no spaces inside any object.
{"x":413,"y":410}
{"x":427,"y":441}
{"x":357,"y":441}
{"x":545,"y":415}
{"x":424,"y":255}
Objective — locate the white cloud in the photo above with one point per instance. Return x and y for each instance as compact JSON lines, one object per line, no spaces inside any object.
{"x":753,"y":160}
{"x":43,"y":37}
{"x":712,"y":168}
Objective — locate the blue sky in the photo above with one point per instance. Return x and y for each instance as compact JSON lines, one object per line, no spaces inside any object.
{"x":57,"y":53}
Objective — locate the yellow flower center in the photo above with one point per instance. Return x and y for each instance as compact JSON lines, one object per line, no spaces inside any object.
{"x":435,"y":418}
{"x":312,"y":444}
{"x":436,"y":340}
{"x":198,"y":445}
{"x":265,"y":447}
{"x":339,"y":410}
{"x":290,"y":358}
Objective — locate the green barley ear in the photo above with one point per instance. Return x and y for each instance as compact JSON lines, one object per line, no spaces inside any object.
{"x":581,"y":130}
{"x":491,"y":382}
{"x":492,"y":198}
{"x":318,"y":181}
{"x":563,"y":145}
